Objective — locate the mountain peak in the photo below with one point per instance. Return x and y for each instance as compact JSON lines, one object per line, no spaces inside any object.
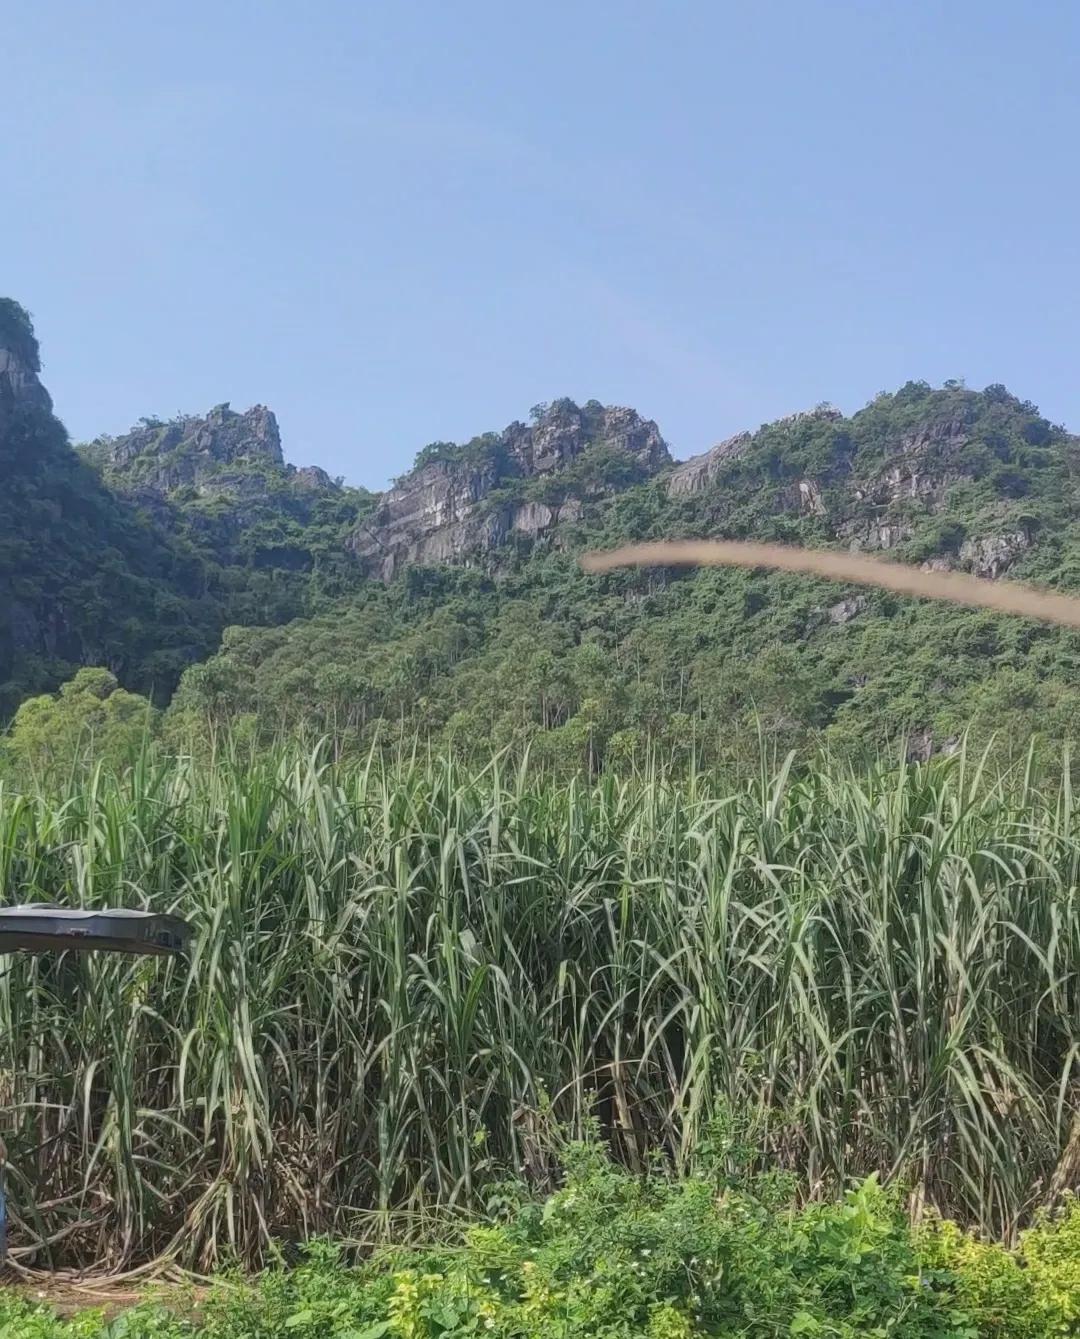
{"x":20,"y":363}
{"x":562,"y":430}
{"x":463,"y":499}
{"x":184,"y":449}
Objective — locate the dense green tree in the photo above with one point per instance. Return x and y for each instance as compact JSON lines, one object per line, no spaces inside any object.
{"x":85,"y":577}
{"x":90,"y":717}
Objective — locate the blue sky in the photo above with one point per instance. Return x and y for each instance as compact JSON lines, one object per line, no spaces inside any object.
{"x":399,"y":222}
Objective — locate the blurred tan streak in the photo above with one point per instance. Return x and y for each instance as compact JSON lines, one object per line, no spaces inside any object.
{"x":1006,"y":597}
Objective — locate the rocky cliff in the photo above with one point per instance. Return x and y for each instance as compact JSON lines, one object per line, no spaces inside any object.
{"x":462,"y":502}
{"x":189,"y":449}
{"x":869,"y":482}
{"x":221,"y":479}
{"x":20,"y":390}
{"x":697,"y":473}
{"x":85,"y":578}
{"x":872,"y":482}
{"x":136,"y":553}
{"x":940,"y":475}
{"x":223,"y":455}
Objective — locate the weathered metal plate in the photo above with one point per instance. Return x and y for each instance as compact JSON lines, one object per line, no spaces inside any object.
{"x":39,"y":927}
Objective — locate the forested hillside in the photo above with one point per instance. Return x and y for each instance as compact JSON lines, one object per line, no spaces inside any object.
{"x":272,"y":535}
{"x":134,"y":554}
{"x":190,"y":552}
{"x":509,"y":641}
{"x":85,"y":578}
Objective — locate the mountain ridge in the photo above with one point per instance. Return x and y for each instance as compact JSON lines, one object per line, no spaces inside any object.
{"x":516,"y":646}
{"x":461,"y":501}
{"x":424,"y":576}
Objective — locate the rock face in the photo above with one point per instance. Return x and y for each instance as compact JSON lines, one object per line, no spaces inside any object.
{"x":20,"y":390}
{"x":432,"y":516}
{"x":224,"y":470}
{"x":460,"y":502}
{"x":695,"y":474}
{"x":843,"y":611}
{"x":183,"y":528}
{"x":189,"y":450}
{"x":871,"y":535}
{"x":994,"y":554}
{"x":821,"y":413}
{"x":85,"y":577}
{"x":562,"y":432}
{"x":19,"y":387}
{"x":922,"y":463}
{"x":311,"y":476}
{"x":810,"y":499}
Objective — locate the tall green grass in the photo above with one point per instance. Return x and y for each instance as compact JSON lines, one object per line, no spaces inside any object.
{"x":405,"y":977}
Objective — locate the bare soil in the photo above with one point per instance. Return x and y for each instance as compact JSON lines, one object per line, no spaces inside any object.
{"x":67,"y":1295}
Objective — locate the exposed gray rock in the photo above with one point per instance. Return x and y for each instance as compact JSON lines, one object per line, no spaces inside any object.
{"x":827,"y":412}
{"x":570,"y":511}
{"x":994,"y":554}
{"x":234,"y":484}
{"x":810,"y":498}
{"x":311,"y":476}
{"x":537,"y":519}
{"x":426,"y":517}
{"x":533,"y":518}
{"x":695,"y":474}
{"x":564,"y":430}
{"x":449,"y":508}
{"x":233,"y":459}
{"x":870,"y":535}
{"x":843,"y":611}
{"x":187,"y":450}
{"x":20,"y":389}
{"x":922,"y":464}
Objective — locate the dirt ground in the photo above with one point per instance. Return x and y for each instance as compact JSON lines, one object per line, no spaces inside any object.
{"x":68,"y":1295}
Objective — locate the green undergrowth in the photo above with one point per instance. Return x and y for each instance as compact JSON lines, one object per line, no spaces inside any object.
{"x":617,"y":1256}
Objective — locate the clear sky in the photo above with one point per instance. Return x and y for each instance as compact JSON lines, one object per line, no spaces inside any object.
{"x":395,"y":222}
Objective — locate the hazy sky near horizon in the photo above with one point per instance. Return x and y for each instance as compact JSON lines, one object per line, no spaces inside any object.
{"x":395,"y":223}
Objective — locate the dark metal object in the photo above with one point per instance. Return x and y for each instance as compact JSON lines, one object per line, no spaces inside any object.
{"x":42,"y":928}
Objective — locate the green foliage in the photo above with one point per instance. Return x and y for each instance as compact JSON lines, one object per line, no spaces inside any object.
{"x":85,"y":578}
{"x":485,"y":453}
{"x":406,"y":974}
{"x":1052,"y":1252}
{"x":1032,"y":1293}
{"x":610,"y":1256}
{"x":17,"y":333}
{"x":91,"y":717}
{"x":95,"y":570}
{"x":618,"y":671}
{"x":633,"y":665}
{"x":272,"y":548}
{"x":522,"y":649}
